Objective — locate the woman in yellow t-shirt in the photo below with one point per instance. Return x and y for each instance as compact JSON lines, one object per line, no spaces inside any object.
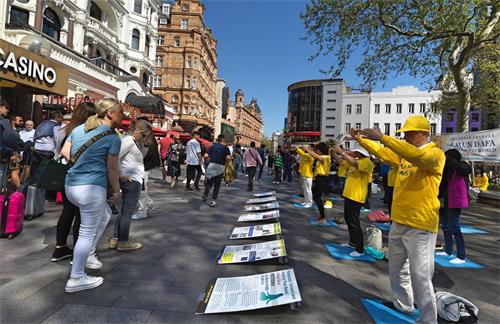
{"x":321,"y":173}
{"x":481,"y":181}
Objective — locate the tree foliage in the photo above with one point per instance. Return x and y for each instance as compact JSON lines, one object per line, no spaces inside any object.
{"x":429,"y":38}
{"x":267,"y":141}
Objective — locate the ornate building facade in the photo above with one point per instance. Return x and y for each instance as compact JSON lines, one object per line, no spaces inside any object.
{"x":249,"y":122}
{"x":186,"y":64}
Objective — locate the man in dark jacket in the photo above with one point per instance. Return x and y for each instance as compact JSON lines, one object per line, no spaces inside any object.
{"x":262,"y":153}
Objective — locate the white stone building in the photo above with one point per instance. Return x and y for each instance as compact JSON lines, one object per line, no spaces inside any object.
{"x":108,"y":46}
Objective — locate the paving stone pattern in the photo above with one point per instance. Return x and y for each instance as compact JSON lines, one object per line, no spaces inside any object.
{"x":161,"y":282}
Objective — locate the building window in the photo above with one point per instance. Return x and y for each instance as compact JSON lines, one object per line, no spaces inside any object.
{"x":330,"y":109}
{"x":348,"y":109}
{"x":347,"y":145}
{"x":147,"y":45}
{"x":399,"y":108}
{"x":422,"y":108}
{"x":398,"y":126}
{"x":163,"y":21}
{"x":358,"y":125}
{"x":136,"y":36}
{"x":347,"y":127}
{"x":133,"y":69}
{"x":376,"y":125}
{"x":329,"y":126}
{"x":157,"y":81}
{"x":188,"y":62}
{"x":186,"y":109}
{"x":185,"y":7}
{"x":377,"y":108}
{"x":474,"y":117}
{"x":187,"y":82}
{"x":433,"y":129}
{"x":159,"y":61}
{"x":474,"y":129}
{"x":411,"y":108}
{"x":332,"y":92}
{"x":18,"y":17}
{"x":138,"y":6}
{"x":331,"y":100}
{"x":449,"y":129}
{"x":95,"y":11}
{"x":51,"y":24}
{"x":387,"y":130}
{"x":195,"y":83}
{"x":195,"y":62}
{"x":166,"y":9}
{"x":184,"y":24}
{"x":359,"y":109}
{"x":175,"y":99}
{"x":160,"y":40}
{"x":177,"y":41}
{"x":387,"y":108}
{"x":330,"y":118}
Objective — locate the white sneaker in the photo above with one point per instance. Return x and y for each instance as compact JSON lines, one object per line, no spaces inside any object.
{"x":93,"y":262}
{"x":442,"y":254}
{"x":83,"y":283}
{"x":346,"y":244}
{"x":173,"y":184}
{"x":303,"y":204}
{"x":356,"y":254}
{"x":457,"y":261}
{"x":307,"y":206}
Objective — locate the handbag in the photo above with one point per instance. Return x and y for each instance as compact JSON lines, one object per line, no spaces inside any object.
{"x":51,"y":174}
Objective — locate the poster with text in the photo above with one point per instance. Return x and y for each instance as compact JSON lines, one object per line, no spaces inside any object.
{"x":261,"y":200}
{"x":482,"y":146}
{"x":264,"y":194}
{"x":253,"y":252}
{"x":272,"y":205}
{"x":256,"y":231}
{"x":236,"y":294}
{"x":259,"y":216}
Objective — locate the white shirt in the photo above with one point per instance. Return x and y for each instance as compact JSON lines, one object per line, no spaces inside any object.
{"x":131,"y":160}
{"x":193,"y":147}
{"x":27,"y":135}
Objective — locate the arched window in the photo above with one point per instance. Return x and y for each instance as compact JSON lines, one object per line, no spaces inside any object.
{"x":51,"y":24}
{"x":95,"y":11}
{"x":136,"y":36}
{"x":147,"y":45}
{"x":145,"y":79}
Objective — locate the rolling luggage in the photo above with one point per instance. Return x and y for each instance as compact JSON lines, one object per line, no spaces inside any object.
{"x":12,"y":214}
{"x":35,"y":202}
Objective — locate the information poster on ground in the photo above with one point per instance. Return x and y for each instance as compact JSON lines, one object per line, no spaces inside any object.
{"x":259,"y":216}
{"x":256,"y":231}
{"x":253,"y":252}
{"x":236,"y":294}
{"x":264,"y":194}
{"x":261,"y":200}
{"x":272,"y":205}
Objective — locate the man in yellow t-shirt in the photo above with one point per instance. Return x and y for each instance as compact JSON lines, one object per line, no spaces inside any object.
{"x":306,"y":175}
{"x":415,"y":212}
{"x":358,"y":177}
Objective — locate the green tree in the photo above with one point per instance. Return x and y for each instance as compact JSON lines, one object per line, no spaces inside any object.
{"x":428,"y":38}
{"x":267,"y":141}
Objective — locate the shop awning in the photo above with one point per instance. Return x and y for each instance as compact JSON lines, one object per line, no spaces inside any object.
{"x":305,"y":134}
{"x":147,"y":104}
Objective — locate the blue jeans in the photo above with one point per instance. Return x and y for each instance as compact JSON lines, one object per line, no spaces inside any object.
{"x":341,"y":185}
{"x":450,"y":222}
{"x":130,"y":199}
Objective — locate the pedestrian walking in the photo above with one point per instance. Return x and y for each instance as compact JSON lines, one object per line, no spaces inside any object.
{"x":278,"y":167}
{"x":28,"y":133}
{"x":218,"y":154}
{"x":70,"y":215}
{"x":164,"y":147}
{"x":288,"y":161}
{"x":252,"y":161}
{"x":86,"y":185}
{"x":174,"y":154}
{"x":321,"y":154}
{"x":193,"y":162}
{"x":355,"y":193}
{"x":453,"y":197}
{"x":262,"y":153}
{"x":414,"y":215}
{"x":306,"y":176}
{"x":270,"y":162}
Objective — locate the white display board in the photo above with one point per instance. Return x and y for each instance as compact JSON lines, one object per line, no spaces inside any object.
{"x":253,"y":252}
{"x":261,"y":200}
{"x":259,"y":216}
{"x":264,"y":194}
{"x":256,"y":231}
{"x":474,"y":146}
{"x":235,"y":294}
{"x":272,"y":205}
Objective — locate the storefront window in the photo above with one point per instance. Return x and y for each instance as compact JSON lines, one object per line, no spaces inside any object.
{"x":51,"y":24}
{"x":18,"y":17}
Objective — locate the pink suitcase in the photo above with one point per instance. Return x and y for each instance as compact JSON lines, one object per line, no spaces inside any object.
{"x":11,"y":222}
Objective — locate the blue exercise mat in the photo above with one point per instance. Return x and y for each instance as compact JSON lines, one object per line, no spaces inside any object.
{"x":298,"y":205}
{"x":336,"y":198}
{"x":329,"y":222}
{"x":467,"y":229}
{"x":340,"y":252}
{"x":296,"y":196}
{"x":386,"y":227}
{"x":382,"y":314}
{"x":364,"y":210}
{"x":444,"y":261}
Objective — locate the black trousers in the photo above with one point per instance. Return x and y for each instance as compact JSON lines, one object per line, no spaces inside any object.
{"x":367,"y":204}
{"x":213,"y":182}
{"x":320,"y":187}
{"x":251,"y":174}
{"x":390,"y":192}
{"x":261,"y":168}
{"x":69,"y":213}
{"x":351,"y":216}
{"x":193,"y":172}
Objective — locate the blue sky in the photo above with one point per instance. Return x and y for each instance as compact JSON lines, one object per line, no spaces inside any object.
{"x":260,"y":51}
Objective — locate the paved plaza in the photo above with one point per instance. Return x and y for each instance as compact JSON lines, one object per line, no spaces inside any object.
{"x":161,"y":282}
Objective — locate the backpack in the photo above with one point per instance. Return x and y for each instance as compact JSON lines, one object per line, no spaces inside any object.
{"x":373,"y":237}
{"x":454,"y":308}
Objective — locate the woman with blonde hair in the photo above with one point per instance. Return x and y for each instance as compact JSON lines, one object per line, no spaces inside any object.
{"x":92,"y":149}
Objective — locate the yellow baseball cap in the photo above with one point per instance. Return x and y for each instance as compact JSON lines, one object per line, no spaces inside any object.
{"x":416,"y":124}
